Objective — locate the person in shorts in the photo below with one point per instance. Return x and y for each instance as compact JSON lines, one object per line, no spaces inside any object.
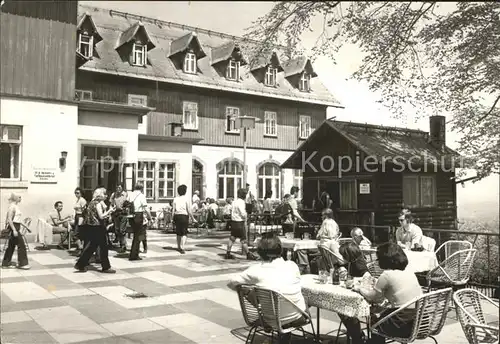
{"x":239,"y":218}
{"x":181,"y":208}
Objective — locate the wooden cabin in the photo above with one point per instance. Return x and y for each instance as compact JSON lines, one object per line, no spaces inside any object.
{"x":371,"y":172}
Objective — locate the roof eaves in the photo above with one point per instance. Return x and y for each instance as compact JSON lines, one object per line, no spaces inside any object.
{"x":179,"y":81}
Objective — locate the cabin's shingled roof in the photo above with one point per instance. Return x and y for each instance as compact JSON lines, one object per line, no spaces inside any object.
{"x":112,"y":24}
{"x":297,"y":66}
{"x":380,"y":142}
{"x":130,"y":33}
{"x":181,"y":44}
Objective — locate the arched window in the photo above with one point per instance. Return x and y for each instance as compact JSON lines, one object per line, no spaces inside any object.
{"x":230,"y":179}
{"x":269,"y":178}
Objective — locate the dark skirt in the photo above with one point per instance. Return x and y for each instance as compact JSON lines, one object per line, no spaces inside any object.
{"x":181,"y":224}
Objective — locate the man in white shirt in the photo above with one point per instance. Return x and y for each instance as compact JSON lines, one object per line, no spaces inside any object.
{"x":276,"y":274}
{"x":196,"y":197}
{"x":239,"y":218}
{"x":409,"y":233}
{"x":137,"y":222}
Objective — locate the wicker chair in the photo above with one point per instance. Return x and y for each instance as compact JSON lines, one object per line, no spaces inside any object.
{"x":374,"y":269}
{"x":452,"y":246}
{"x":328,"y":257}
{"x":261,"y":311}
{"x":470,"y":314}
{"x":453,"y":272}
{"x":431,"y":310}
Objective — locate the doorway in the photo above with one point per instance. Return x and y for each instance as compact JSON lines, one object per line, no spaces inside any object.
{"x":197,"y":178}
{"x":100,"y":168}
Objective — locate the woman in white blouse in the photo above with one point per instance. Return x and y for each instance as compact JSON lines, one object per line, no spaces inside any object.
{"x":181,"y":208}
{"x":13,"y":223}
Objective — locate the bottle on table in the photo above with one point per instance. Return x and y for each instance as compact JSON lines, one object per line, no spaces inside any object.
{"x":335,"y":276}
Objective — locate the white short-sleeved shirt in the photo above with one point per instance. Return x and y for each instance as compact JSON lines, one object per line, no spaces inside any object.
{"x":238,"y":210}
{"x":413,"y":235}
{"x":181,"y":205}
{"x":139,"y":200}
{"x":398,"y":286}
{"x":281,"y":276}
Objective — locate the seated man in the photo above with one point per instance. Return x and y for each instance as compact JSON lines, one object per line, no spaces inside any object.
{"x":60,"y":225}
{"x":359,"y":238}
{"x":274,"y":273}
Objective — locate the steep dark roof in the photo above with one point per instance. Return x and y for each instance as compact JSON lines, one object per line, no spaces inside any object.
{"x":112,"y":24}
{"x":181,"y":44}
{"x":225,"y":51}
{"x":130,"y":33}
{"x":382,"y":143}
{"x":81,"y":20}
{"x":263,"y":61}
{"x":297,"y":66}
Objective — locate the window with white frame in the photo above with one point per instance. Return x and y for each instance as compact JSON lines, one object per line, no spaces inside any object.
{"x":269,"y":178}
{"x":230,"y":178}
{"x":305,"y":82}
{"x":137,"y":100}
{"x":270,"y":78}
{"x":231,"y":114}
{"x":419,"y":191}
{"x":10,"y":151}
{"x":233,"y":70}
{"x":166,"y":180}
{"x":270,"y":123}
{"x":304,"y":126}
{"x":86,"y":45}
{"x":348,"y":194}
{"x":83,"y":95}
{"x":158,"y":178}
{"x":146,"y":176}
{"x":190,"y":115}
{"x":139,"y":54}
{"x":298,"y":180}
{"x":190,"y":63}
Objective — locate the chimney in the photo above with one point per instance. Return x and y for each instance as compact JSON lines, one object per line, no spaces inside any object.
{"x":437,"y":131}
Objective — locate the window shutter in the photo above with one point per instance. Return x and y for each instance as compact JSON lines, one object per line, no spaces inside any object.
{"x":129,"y":176}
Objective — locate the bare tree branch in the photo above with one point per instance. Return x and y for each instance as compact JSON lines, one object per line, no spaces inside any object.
{"x":491,"y":110}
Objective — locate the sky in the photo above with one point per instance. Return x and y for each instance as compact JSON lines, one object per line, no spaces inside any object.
{"x":233,"y":17}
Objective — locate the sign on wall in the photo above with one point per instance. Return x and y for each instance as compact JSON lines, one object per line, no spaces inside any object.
{"x":44,"y":175}
{"x":364,"y":188}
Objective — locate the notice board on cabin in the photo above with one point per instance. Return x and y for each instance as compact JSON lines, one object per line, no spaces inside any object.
{"x":365,"y":194}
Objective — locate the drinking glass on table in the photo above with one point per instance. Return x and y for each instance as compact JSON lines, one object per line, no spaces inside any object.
{"x":323,"y":276}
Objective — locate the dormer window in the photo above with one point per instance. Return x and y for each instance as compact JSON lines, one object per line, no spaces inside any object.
{"x":190,"y":63}
{"x":86,"y":45}
{"x":233,"y":70}
{"x":271,"y":74}
{"x":305,"y":82}
{"x":139,"y":54}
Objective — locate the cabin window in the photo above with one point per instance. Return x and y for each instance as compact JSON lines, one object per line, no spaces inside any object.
{"x":269,"y":178}
{"x":348,"y":193}
{"x":190,"y":63}
{"x":419,"y":191}
{"x":190,"y":115}
{"x":158,"y":178}
{"x":85,"y":45}
{"x":139,"y":54}
{"x":304,"y":127}
{"x":10,"y":152}
{"x":298,"y":180}
{"x":230,"y":179}
{"x":233,"y":70}
{"x":137,"y":100}
{"x":83,"y":95}
{"x":270,"y":78}
{"x":270,"y":123}
{"x":231,"y":114}
{"x":305,"y":82}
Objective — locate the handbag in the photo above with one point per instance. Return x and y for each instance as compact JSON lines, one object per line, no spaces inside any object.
{"x":6,"y":231}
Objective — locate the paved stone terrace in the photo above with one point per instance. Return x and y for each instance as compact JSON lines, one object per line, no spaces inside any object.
{"x":186,"y":301}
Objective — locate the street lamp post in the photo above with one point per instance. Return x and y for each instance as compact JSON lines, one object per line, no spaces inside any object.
{"x":245,"y":123}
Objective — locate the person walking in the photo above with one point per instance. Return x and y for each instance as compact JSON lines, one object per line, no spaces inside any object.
{"x":140,"y":206}
{"x":239,"y":218}
{"x":79,"y":206}
{"x":13,"y":222}
{"x":96,"y":232}
{"x":119,"y":216}
{"x":181,"y":208}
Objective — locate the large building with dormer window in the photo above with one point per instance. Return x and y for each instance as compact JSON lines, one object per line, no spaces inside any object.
{"x":193,"y":83}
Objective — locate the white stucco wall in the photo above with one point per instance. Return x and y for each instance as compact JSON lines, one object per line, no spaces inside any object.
{"x":47,"y":130}
{"x":210,"y":156}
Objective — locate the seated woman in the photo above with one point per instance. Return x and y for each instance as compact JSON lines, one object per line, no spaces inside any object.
{"x":274,"y":273}
{"x":396,"y":285}
{"x":354,"y":260}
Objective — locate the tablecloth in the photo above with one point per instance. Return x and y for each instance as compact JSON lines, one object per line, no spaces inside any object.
{"x":334,"y":298}
{"x":417,"y":261}
{"x":295,"y":244}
